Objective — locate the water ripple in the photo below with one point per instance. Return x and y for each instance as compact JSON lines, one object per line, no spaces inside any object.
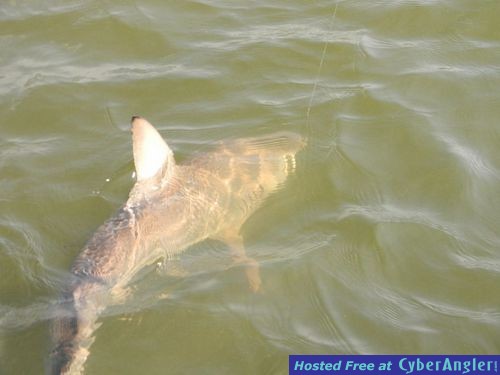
{"x":280,"y":33}
{"x":18,"y":80}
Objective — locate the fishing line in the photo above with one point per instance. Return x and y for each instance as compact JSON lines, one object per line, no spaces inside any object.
{"x":306,"y":187}
{"x":110,"y":119}
{"x":318,"y":74}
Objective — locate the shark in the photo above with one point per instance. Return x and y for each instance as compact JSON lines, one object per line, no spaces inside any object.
{"x":170,"y":207}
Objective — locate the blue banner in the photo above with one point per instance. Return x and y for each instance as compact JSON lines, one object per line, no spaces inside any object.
{"x":393,"y":364}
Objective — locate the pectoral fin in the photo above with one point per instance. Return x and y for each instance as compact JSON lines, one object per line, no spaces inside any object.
{"x":235,"y":243}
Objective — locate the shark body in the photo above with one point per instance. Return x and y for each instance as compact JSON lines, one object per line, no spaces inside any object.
{"x":169,"y":208}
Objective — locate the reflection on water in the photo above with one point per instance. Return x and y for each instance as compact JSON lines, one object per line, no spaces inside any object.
{"x":385,"y":241}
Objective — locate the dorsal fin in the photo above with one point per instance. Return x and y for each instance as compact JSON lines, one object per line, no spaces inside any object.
{"x":151,"y":152}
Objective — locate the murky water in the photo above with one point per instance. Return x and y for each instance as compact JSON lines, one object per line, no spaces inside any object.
{"x":385,"y":241}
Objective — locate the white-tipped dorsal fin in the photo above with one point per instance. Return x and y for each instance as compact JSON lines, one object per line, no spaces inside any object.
{"x":150,"y":150}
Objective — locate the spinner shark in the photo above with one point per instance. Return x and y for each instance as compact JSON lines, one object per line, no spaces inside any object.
{"x":170,"y":207}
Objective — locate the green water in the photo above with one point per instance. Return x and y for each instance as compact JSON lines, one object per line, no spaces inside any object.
{"x":385,"y":241}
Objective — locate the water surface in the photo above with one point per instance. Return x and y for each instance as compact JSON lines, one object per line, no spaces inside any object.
{"x":386,"y":240}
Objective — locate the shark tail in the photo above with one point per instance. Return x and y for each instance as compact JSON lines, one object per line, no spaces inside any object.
{"x":71,"y":332}
{"x":64,"y":331}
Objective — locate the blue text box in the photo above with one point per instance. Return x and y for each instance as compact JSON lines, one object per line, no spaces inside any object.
{"x":393,"y":364}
